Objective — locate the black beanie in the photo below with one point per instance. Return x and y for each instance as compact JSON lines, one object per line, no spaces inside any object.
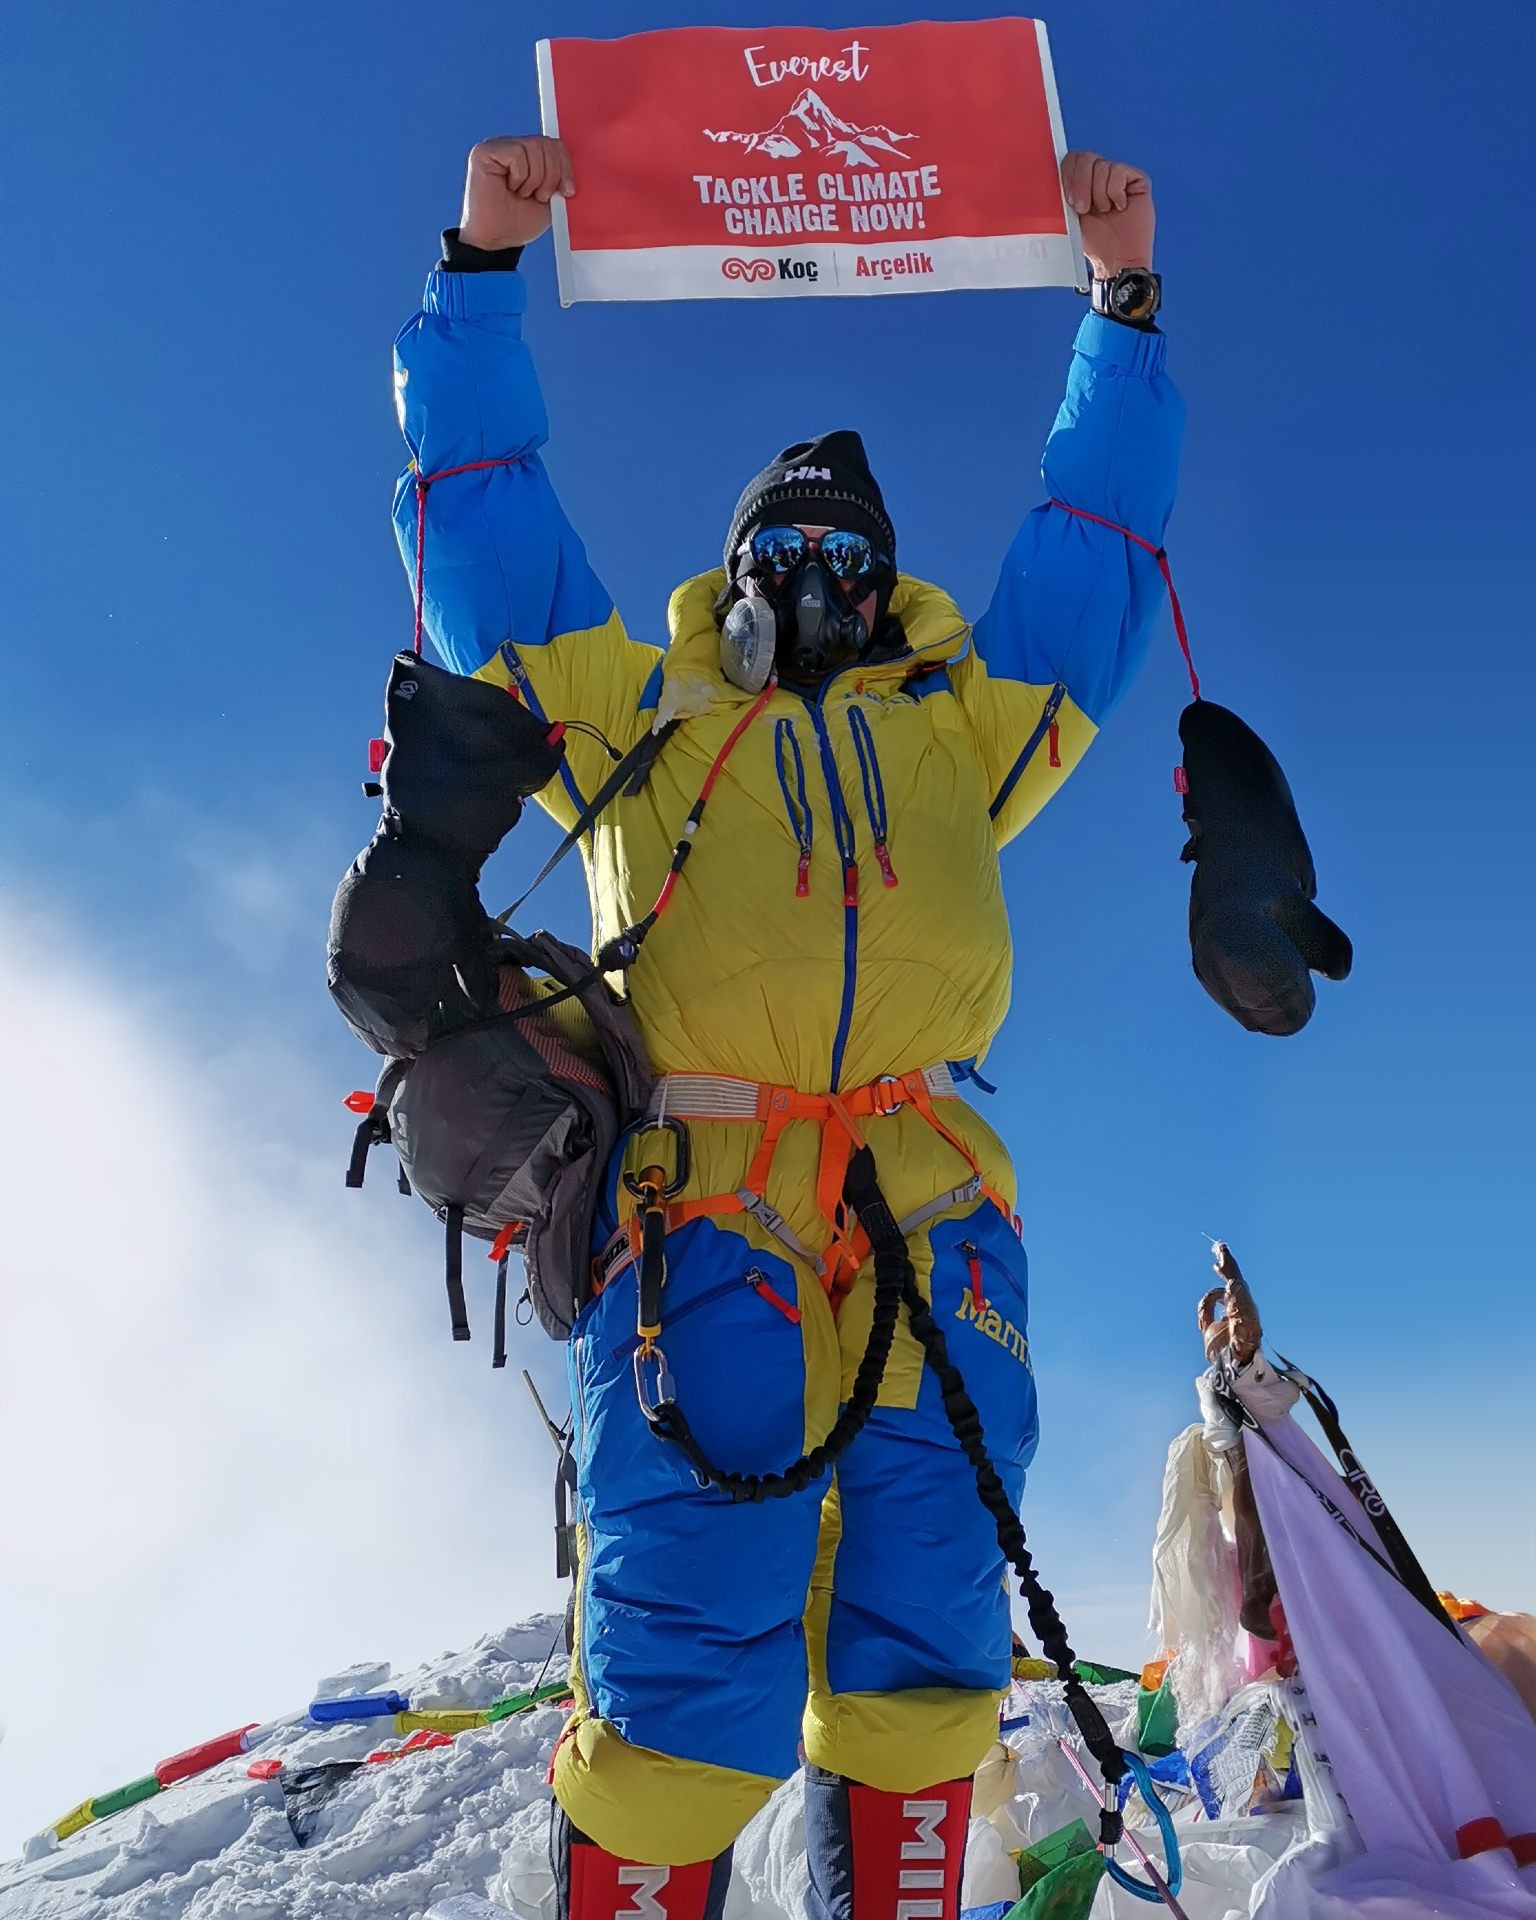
{"x":820,"y":482}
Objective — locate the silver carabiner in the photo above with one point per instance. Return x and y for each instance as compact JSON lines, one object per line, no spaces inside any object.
{"x":657,"y":1390}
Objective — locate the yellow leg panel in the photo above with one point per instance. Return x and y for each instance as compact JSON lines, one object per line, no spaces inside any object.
{"x":819,"y":1604}
{"x":649,"y":1806}
{"x":900,"y":1742}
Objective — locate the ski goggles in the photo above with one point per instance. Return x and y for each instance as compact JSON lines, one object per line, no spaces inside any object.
{"x":847,"y":556}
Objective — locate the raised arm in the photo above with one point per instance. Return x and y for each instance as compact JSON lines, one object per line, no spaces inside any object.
{"x":1076,"y":603}
{"x":508,"y":593}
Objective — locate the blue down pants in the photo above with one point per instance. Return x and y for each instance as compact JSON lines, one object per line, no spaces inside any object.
{"x":862,"y":1624}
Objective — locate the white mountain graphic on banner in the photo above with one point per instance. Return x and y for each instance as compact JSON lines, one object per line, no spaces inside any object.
{"x":810,"y":126}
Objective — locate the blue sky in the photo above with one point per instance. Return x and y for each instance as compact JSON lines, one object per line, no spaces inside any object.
{"x":214,"y":222}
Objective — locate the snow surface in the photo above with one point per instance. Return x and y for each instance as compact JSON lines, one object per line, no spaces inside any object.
{"x":446,"y":1831}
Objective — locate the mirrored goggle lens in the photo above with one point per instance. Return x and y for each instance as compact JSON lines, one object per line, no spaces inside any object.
{"x":849,"y":556}
{"x":780,"y":549}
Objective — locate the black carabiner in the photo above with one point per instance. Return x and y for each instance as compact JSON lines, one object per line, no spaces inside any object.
{"x":683,"y":1163}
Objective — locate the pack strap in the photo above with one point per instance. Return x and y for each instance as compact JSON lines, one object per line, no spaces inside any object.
{"x":369,"y":1135}
{"x":629,"y":775}
{"x":499,"y":1329}
{"x":373,"y":1130}
{"x":453,"y":1218}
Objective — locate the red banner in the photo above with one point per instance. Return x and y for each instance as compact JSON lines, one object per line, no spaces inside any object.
{"x":717,"y":162}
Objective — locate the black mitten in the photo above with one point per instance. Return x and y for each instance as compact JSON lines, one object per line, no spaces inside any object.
{"x":409,"y":953}
{"x":463,"y":756}
{"x":410,"y":949}
{"x":1254,"y":933}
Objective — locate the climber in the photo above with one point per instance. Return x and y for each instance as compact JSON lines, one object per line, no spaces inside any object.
{"x":830,"y":969}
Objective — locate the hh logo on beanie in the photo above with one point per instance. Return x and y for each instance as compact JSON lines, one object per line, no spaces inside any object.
{"x":820,"y":482}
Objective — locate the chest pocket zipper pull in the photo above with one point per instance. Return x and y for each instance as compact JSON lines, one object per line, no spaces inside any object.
{"x":796,"y":805}
{"x":1053,"y":741}
{"x":874,"y":792}
{"x":973,"y":1262}
{"x":760,"y":1284}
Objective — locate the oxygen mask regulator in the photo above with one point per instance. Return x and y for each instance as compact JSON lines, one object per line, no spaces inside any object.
{"x":804,"y":626}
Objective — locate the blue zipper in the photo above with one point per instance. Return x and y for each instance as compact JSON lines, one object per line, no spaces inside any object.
{"x":584,"y":1563}
{"x":842,"y":822}
{"x":796,"y":805}
{"x":1043,"y":726}
{"x":842,"y":826}
{"x":754,"y":1278}
{"x":874,"y":789}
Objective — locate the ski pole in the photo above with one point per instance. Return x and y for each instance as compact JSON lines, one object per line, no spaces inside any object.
{"x":555,"y":1433}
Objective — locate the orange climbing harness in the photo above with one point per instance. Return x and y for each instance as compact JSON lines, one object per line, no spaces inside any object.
{"x":680,"y":1097}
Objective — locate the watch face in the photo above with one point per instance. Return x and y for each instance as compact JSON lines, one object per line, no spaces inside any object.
{"x":1132,"y":293}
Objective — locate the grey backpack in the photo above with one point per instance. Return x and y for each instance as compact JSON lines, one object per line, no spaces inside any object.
{"x":503,"y":1122}
{"x":504,"y":1128}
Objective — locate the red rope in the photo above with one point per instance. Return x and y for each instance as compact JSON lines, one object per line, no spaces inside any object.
{"x":696,"y":813}
{"x":423,"y":481}
{"x":1160,"y":555}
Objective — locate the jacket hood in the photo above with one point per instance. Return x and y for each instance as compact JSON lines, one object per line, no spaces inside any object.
{"x":692,"y":681}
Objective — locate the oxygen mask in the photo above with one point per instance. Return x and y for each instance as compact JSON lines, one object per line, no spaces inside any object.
{"x":802,"y":616}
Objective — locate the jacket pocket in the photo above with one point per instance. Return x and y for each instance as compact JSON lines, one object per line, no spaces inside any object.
{"x":789,"y":764}
{"x":874,"y":791}
{"x":1047,"y":729}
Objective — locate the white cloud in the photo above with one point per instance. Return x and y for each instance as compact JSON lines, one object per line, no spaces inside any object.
{"x":240,"y":1449}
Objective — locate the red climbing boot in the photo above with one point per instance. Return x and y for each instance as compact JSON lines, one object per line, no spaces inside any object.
{"x":593,"y":1884}
{"x":884,"y":1856}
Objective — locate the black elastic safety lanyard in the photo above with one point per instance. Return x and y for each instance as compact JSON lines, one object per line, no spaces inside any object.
{"x":896,"y":1286}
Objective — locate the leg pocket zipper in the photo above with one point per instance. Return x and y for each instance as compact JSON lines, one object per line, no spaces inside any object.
{"x":754,"y":1278}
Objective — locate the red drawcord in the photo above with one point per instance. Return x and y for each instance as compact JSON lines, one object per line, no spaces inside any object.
{"x":1160,"y":555}
{"x":423,"y":481}
{"x":421,"y":558}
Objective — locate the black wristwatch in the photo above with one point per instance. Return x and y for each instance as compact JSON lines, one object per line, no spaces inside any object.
{"x":1132,"y":297}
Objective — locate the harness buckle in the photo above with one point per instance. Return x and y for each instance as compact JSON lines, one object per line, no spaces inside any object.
{"x":888,"y":1095}
{"x":654,"y":1387}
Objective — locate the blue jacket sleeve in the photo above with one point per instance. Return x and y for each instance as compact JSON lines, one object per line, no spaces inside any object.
{"x":508,"y":592}
{"x":1076,"y":603}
